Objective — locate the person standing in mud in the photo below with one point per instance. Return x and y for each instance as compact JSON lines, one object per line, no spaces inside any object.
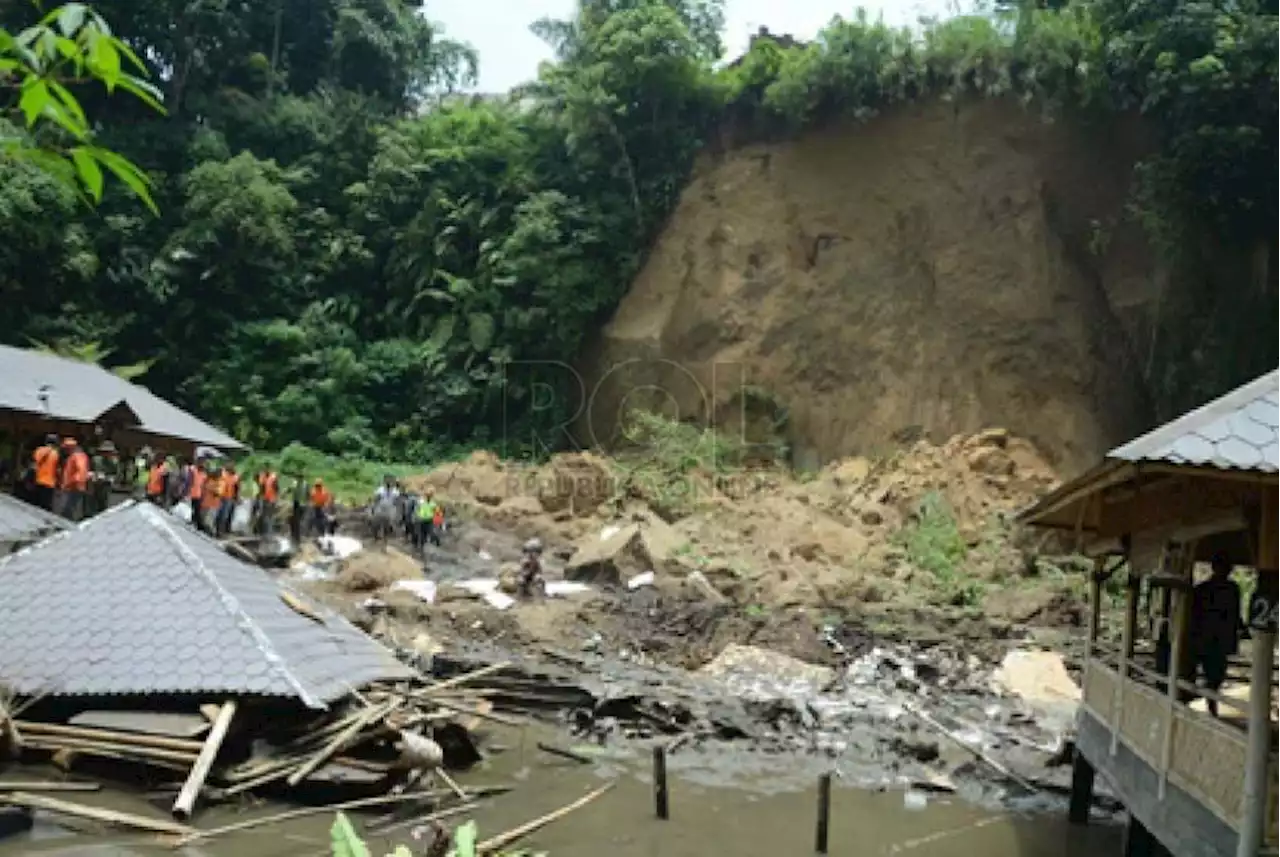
{"x":426,"y":512}
{"x":531,"y":583}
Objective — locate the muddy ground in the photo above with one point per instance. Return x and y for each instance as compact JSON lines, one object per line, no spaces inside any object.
{"x":893,"y":692}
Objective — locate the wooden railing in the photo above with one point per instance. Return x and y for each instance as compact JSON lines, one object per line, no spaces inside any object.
{"x":1195,"y":752}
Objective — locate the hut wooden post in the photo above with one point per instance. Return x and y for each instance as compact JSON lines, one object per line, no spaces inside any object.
{"x":200,"y":770}
{"x":1253,"y":814}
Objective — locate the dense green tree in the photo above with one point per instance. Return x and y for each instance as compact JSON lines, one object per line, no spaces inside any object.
{"x":351,"y":254}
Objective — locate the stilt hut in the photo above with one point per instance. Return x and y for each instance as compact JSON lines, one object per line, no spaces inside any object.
{"x":1152,"y":515}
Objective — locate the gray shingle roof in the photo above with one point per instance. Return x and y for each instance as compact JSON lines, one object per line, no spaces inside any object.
{"x":21,"y":521}
{"x":1235,"y":432}
{"x":134,"y":602}
{"x":80,"y":392}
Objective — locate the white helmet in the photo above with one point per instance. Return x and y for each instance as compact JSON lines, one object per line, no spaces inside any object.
{"x":534,"y":545}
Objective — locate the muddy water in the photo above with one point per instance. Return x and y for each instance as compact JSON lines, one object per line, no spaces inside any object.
{"x":774,"y":817}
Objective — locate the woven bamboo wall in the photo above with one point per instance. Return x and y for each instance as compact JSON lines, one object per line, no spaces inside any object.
{"x":1146,"y":718}
{"x":1209,"y":763}
{"x":1099,"y":685}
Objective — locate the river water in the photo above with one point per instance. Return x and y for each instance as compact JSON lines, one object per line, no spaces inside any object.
{"x":769,"y":817}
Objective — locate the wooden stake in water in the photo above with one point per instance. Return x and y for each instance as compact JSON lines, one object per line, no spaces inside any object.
{"x":660,"y":782}
{"x":824,"y":814}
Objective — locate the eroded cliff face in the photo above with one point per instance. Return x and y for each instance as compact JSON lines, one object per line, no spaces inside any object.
{"x":938,"y":270}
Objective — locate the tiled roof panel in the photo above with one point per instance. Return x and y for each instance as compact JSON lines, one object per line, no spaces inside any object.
{"x":80,"y":392}
{"x":134,"y":602}
{"x":21,"y":521}
{"x":1235,"y":432}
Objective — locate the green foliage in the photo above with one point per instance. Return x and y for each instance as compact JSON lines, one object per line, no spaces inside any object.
{"x":68,"y":48}
{"x":356,"y":258}
{"x":346,"y":842}
{"x":933,"y":544}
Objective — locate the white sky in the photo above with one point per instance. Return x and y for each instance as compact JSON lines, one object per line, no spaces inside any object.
{"x":509,"y":53}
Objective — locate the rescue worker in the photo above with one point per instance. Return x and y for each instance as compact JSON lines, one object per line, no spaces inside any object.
{"x":321,"y":501}
{"x":157,"y":490}
{"x":426,"y":518}
{"x":230,"y":494}
{"x":268,"y":499}
{"x":211,"y":500}
{"x":531,"y":583}
{"x":45,"y":461}
{"x":74,"y":481}
{"x":106,"y":469}
{"x":195,"y":494}
{"x":298,"y":509}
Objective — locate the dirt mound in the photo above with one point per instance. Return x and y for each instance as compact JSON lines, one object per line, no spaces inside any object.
{"x":938,"y":269}
{"x":374,"y":569}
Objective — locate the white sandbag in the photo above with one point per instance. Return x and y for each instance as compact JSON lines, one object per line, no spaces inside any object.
{"x":181,"y":511}
{"x":242,"y":518}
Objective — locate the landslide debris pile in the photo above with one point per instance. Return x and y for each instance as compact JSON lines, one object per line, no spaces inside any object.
{"x":927,"y":524}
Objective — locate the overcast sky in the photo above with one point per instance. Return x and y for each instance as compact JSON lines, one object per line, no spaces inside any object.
{"x":509,"y":53}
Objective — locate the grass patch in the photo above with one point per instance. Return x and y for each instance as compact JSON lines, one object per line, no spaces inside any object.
{"x":352,"y":480}
{"x":933,"y":544}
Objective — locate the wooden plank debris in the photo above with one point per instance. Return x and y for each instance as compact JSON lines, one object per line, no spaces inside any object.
{"x":106,"y":816}
{"x":200,"y":771}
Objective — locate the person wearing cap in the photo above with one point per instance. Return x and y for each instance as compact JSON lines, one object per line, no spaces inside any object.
{"x":321,"y":501}
{"x":45,"y":463}
{"x":73,"y":482}
{"x":106,"y":468}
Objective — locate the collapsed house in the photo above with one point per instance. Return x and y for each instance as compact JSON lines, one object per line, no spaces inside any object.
{"x":133,"y":639}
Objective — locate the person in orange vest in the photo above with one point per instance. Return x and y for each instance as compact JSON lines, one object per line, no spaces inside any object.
{"x":211,"y":502}
{"x":158,"y":482}
{"x":74,"y":482}
{"x":45,"y":462}
{"x":268,"y":497}
{"x":321,"y":501}
{"x":195,"y":493}
{"x":230,"y":496}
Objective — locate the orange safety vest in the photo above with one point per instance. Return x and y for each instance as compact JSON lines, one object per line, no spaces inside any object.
{"x":155,"y":481}
{"x":198,"y":478}
{"x":212,"y":493}
{"x":320,"y":497}
{"x":46,"y":461}
{"x":270,"y":488}
{"x":438,"y":518}
{"x":230,"y":484}
{"x":75,"y":474}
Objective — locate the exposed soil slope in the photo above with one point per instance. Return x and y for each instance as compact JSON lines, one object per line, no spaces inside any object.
{"x":934,"y":271}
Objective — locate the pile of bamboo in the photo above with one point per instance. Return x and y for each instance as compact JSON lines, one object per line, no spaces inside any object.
{"x":388,"y":731}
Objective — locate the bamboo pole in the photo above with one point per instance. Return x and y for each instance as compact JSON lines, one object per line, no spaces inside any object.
{"x":462,"y":679}
{"x":81,"y":745}
{"x":47,"y":786}
{"x":111,"y":736}
{"x":999,"y":768}
{"x":502,"y":840}
{"x":197,"y":835}
{"x":107,"y":816}
{"x":186,"y":801}
{"x":340,"y":742}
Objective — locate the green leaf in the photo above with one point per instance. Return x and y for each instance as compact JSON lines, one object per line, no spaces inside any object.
{"x":148,"y":94}
{"x":34,"y":100}
{"x":124,"y":170}
{"x":51,"y":163}
{"x":104,"y":62}
{"x":70,"y":103}
{"x":464,"y":840}
{"x":70,"y":18}
{"x":401,"y":851}
{"x":442,"y":334}
{"x":88,"y":170}
{"x":346,"y":842}
{"x":128,"y":53}
{"x":481,"y":328}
